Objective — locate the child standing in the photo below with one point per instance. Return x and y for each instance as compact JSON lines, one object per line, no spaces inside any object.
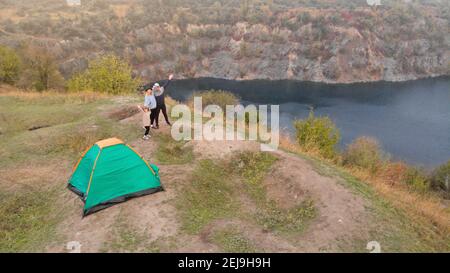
{"x":145,"y":121}
{"x":150,"y":103}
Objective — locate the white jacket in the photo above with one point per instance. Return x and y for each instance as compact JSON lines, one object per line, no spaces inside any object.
{"x":150,"y":101}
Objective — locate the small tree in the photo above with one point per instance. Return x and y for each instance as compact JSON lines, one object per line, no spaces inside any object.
{"x":41,"y":69}
{"x":417,"y":180}
{"x":364,"y":152}
{"x":317,"y":134}
{"x":440,"y":179}
{"x":9,"y":65}
{"x":106,"y":74}
{"x":215,"y":97}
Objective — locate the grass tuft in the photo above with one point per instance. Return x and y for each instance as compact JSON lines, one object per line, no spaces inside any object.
{"x":233,"y":241}
{"x":291,"y":220}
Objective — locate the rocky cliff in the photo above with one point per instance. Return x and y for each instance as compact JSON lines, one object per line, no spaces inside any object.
{"x":326,"y":41}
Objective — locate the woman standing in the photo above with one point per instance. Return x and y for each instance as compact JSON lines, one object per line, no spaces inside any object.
{"x":160,"y":101}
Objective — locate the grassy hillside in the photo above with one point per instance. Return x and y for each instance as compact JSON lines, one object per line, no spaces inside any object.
{"x":219,"y":196}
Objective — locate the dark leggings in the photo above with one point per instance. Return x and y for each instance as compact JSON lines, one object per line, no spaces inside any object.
{"x":164,"y":111}
{"x":147,"y":130}
{"x":153,"y":115}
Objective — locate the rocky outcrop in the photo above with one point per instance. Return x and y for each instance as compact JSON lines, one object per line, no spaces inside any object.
{"x":341,"y":44}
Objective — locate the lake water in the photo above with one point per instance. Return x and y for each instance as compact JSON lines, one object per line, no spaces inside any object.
{"x":410,"y":119}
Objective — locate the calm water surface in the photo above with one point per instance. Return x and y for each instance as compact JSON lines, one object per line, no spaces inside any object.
{"x":410,"y":119}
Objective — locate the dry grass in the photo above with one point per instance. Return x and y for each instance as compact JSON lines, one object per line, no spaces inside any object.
{"x":426,"y":208}
{"x":11,"y":14}
{"x":50,"y":96}
{"x":121,"y":10}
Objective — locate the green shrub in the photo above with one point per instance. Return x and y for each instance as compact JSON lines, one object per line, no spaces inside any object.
{"x":107,"y":74}
{"x":317,"y":134}
{"x":215,"y":97}
{"x":416,"y":180}
{"x":440,"y":178}
{"x":79,"y":82}
{"x":364,"y":152}
{"x":9,"y":65}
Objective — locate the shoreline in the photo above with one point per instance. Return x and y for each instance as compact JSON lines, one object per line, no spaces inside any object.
{"x":427,"y":78}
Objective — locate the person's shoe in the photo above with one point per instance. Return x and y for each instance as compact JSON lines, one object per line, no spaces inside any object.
{"x":146,"y":137}
{"x":153,"y":127}
{"x":157,"y":127}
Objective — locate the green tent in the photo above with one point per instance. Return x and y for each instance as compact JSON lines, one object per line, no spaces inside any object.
{"x":111,"y":172}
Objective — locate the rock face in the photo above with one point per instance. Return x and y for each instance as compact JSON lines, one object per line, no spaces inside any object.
{"x":341,"y":43}
{"x":349,"y":61}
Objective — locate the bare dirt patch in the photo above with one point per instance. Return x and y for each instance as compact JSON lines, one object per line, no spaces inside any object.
{"x":91,"y":232}
{"x":222,"y":148}
{"x":123,"y":112}
{"x":341,"y":213}
{"x":34,"y":176}
{"x":156,"y":215}
{"x":259,"y":238}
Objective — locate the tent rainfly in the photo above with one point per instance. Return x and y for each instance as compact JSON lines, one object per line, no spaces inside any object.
{"x":110,"y":172}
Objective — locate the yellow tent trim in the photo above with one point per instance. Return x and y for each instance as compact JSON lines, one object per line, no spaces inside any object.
{"x":79,"y":160}
{"x":92,"y":172}
{"x":109,"y":142}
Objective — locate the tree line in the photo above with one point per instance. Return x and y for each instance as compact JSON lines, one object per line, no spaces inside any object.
{"x":35,"y":68}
